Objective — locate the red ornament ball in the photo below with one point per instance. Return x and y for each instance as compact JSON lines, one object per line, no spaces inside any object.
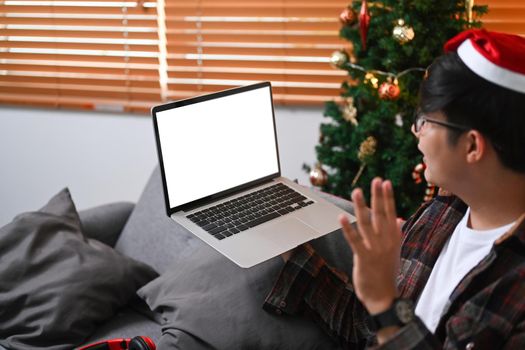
{"x":348,"y":16}
{"x":389,"y":91}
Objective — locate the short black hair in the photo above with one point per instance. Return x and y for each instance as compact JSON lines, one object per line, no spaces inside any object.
{"x":467,"y":99}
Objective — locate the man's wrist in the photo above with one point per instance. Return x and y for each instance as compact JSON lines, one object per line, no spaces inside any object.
{"x":398,"y":314}
{"x":378,"y":307}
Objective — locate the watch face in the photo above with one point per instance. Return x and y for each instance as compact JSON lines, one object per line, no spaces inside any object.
{"x":405,"y":310}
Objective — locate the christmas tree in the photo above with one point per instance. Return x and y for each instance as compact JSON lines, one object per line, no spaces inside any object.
{"x":390,"y":44}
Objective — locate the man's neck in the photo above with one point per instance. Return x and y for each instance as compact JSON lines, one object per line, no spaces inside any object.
{"x":496,"y":203}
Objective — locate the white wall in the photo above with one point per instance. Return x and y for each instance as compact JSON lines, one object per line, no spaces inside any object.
{"x":107,"y":157}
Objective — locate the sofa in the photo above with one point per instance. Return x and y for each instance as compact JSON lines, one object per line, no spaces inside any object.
{"x":186,"y":296}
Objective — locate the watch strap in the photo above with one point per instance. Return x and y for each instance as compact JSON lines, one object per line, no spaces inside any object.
{"x":399,"y":313}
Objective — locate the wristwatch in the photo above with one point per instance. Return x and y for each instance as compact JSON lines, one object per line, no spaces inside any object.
{"x":399,"y":313}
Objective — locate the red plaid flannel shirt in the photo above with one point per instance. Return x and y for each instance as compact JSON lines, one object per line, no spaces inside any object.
{"x":485,"y":311}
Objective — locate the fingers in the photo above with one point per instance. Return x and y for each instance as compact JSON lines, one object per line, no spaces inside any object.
{"x":364,"y":219}
{"x":389,"y":200}
{"x":378,"y":222}
{"x":362,"y":212}
{"x":378,"y":204}
{"x":353,"y":238}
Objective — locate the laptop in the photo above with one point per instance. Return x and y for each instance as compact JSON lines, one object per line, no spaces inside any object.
{"x":221,"y":175}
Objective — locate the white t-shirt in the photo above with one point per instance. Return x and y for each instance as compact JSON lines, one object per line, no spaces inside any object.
{"x":462,"y":252}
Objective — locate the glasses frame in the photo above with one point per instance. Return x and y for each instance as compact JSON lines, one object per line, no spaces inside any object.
{"x":420,"y":119}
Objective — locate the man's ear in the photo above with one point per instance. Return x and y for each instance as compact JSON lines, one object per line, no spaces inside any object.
{"x":476,"y":145}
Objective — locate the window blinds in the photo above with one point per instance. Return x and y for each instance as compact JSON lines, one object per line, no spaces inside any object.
{"x":88,"y":54}
{"x":131,"y":55}
{"x":217,"y":44}
{"x":506,"y":16}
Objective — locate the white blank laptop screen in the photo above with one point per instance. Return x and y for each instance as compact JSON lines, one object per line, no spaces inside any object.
{"x":214,"y":145}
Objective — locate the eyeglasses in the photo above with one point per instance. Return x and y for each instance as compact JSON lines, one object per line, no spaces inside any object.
{"x":420,"y":120}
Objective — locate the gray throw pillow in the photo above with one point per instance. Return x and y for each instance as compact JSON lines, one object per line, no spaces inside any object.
{"x":208,"y":302}
{"x":150,"y":235}
{"x":56,"y":285}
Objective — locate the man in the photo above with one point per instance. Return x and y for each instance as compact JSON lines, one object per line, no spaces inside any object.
{"x":462,"y":256}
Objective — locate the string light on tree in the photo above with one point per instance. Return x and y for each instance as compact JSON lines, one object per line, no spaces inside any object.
{"x":371,"y":79}
{"x":370,"y":75}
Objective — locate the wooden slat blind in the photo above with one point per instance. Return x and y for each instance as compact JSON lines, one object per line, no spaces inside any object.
{"x":217,"y":44}
{"x":92,"y":54}
{"x":506,"y":16}
{"x":131,"y":55}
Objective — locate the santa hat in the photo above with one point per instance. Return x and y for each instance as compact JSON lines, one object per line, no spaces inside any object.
{"x":496,"y":57}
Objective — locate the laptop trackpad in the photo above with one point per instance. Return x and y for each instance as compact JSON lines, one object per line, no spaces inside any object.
{"x":290,"y":233}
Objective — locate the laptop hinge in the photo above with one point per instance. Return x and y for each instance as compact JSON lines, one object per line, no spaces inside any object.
{"x":213,"y":198}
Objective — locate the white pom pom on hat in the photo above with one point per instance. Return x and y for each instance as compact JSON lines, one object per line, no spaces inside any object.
{"x":496,"y":57}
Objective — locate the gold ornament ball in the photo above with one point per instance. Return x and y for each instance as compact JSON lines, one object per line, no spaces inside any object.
{"x":348,"y":16}
{"x":389,"y":91}
{"x":402,"y":33}
{"x":318,"y":176}
{"x":339,"y":59}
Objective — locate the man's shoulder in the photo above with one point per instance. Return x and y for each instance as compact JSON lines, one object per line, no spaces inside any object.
{"x":444,"y":207}
{"x":428,"y":229}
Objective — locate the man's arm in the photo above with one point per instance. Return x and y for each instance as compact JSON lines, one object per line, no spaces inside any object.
{"x":307,"y":286}
{"x":414,"y":335}
{"x":376,"y":246}
{"x":517,"y":338}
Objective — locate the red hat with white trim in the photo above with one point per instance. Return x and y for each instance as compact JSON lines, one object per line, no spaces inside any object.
{"x":496,"y":57}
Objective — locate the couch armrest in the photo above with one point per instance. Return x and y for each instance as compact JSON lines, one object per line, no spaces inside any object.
{"x":105,"y":222}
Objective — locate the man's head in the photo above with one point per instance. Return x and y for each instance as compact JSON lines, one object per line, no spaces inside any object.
{"x":479,"y":84}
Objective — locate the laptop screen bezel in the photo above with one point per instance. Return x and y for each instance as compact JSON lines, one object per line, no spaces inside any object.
{"x":222,"y":194}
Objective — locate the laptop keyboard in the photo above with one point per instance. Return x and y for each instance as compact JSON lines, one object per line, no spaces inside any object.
{"x":255,"y":208}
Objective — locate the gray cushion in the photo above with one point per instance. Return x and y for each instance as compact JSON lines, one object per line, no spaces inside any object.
{"x":127,"y":323}
{"x":57,"y":286}
{"x":150,"y":235}
{"x":220,"y":305}
{"x":105,"y":222}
